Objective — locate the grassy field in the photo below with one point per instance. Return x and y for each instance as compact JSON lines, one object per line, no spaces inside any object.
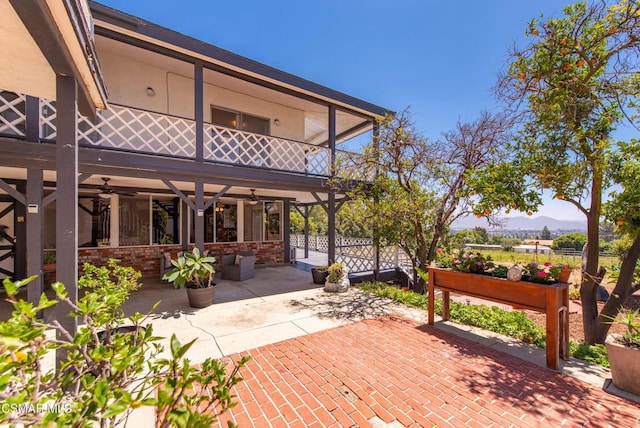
{"x":513,"y":257}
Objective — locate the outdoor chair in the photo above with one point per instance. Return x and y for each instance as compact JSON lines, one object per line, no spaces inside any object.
{"x":165,"y":262}
{"x":239,"y":267}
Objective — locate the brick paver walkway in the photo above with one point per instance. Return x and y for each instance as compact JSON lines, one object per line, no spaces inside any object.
{"x":399,"y":370}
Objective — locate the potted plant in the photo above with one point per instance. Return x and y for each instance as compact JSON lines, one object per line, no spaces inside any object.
{"x":337,"y":280}
{"x":195,"y":273}
{"x":623,"y":352}
{"x":561,"y":273}
{"x":49,"y":267}
{"x":319,"y":274}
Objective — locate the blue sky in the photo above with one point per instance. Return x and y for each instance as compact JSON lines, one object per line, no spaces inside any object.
{"x":440,"y":58}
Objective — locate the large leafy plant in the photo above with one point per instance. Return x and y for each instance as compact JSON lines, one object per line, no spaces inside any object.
{"x":191,"y":269}
{"x":109,"y":367}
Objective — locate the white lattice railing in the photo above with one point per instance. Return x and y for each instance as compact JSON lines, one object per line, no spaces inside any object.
{"x":357,"y":254}
{"x":12,"y":114}
{"x":127,"y":128}
{"x":244,"y":148}
{"x":136,"y":130}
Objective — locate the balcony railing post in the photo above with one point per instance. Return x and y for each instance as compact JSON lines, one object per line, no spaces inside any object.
{"x":32,"y":128}
{"x":199,"y":110}
{"x":306,"y":231}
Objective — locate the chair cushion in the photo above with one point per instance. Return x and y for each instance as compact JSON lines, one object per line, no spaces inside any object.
{"x":167,"y":259}
{"x":238,"y":258}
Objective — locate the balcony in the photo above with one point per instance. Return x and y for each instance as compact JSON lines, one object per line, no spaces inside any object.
{"x":134,"y":130}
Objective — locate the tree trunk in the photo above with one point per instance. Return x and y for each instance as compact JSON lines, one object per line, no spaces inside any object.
{"x":420,"y":260}
{"x":620,"y":293}
{"x":589,"y":287}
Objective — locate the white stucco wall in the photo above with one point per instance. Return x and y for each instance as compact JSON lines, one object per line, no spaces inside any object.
{"x":128,"y":80}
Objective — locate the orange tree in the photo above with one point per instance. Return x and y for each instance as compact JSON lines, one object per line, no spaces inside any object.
{"x":571,"y":85}
{"x":623,"y":209}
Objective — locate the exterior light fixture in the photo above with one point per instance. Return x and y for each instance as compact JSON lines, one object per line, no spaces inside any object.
{"x":253,"y":199}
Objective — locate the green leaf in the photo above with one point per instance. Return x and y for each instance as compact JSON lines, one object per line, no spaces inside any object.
{"x":10,"y":287}
{"x":178,"y":350}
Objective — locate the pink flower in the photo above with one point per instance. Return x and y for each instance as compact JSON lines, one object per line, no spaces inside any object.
{"x":542,"y":274}
{"x":547,"y":264}
{"x":438,"y":250}
{"x":479,"y":263}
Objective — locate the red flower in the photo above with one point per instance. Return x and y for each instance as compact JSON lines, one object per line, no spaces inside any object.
{"x":542,"y":274}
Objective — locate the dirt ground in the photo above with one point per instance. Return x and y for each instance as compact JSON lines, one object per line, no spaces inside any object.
{"x":576,"y":331}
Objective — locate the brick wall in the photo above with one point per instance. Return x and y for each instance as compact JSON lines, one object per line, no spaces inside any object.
{"x":147,"y":258}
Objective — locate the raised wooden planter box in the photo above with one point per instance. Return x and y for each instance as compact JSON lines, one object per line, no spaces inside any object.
{"x":552,"y":300}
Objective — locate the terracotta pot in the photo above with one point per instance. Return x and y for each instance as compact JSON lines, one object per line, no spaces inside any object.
{"x":49,"y":273}
{"x":625,"y":365}
{"x":564,"y":275}
{"x":201,"y":297}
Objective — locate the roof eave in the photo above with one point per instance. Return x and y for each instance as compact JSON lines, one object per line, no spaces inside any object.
{"x":199,"y":48}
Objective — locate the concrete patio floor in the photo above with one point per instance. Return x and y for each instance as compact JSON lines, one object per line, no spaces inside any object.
{"x":244,"y":315}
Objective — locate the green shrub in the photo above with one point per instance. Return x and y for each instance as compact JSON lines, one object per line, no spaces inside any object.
{"x":595,"y":354}
{"x":107,"y":372}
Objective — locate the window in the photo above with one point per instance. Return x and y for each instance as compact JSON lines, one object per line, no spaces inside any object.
{"x":166,"y":226}
{"x":94,"y":222}
{"x":238,"y":120}
{"x":134,"y":216}
{"x":247,"y":149}
{"x":220,"y":223}
{"x":273,"y":221}
{"x":263,"y":221}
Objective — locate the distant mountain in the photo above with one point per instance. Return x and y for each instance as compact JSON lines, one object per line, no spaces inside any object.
{"x":521,"y":223}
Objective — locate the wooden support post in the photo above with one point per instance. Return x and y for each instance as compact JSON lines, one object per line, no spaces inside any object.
{"x":184,"y":231}
{"x":286,"y":232}
{"x":34,"y":234}
{"x":199,"y":110}
{"x":20,"y":232}
{"x":331,"y":228}
{"x":67,"y":201}
{"x":306,"y":231}
{"x":199,"y":216}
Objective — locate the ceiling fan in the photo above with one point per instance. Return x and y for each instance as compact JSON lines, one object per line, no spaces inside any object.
{"x":106,"y":190}
{"x":253,"y":199}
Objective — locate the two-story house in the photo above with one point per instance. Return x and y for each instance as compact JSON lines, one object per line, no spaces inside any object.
{"x":195,"y":145}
